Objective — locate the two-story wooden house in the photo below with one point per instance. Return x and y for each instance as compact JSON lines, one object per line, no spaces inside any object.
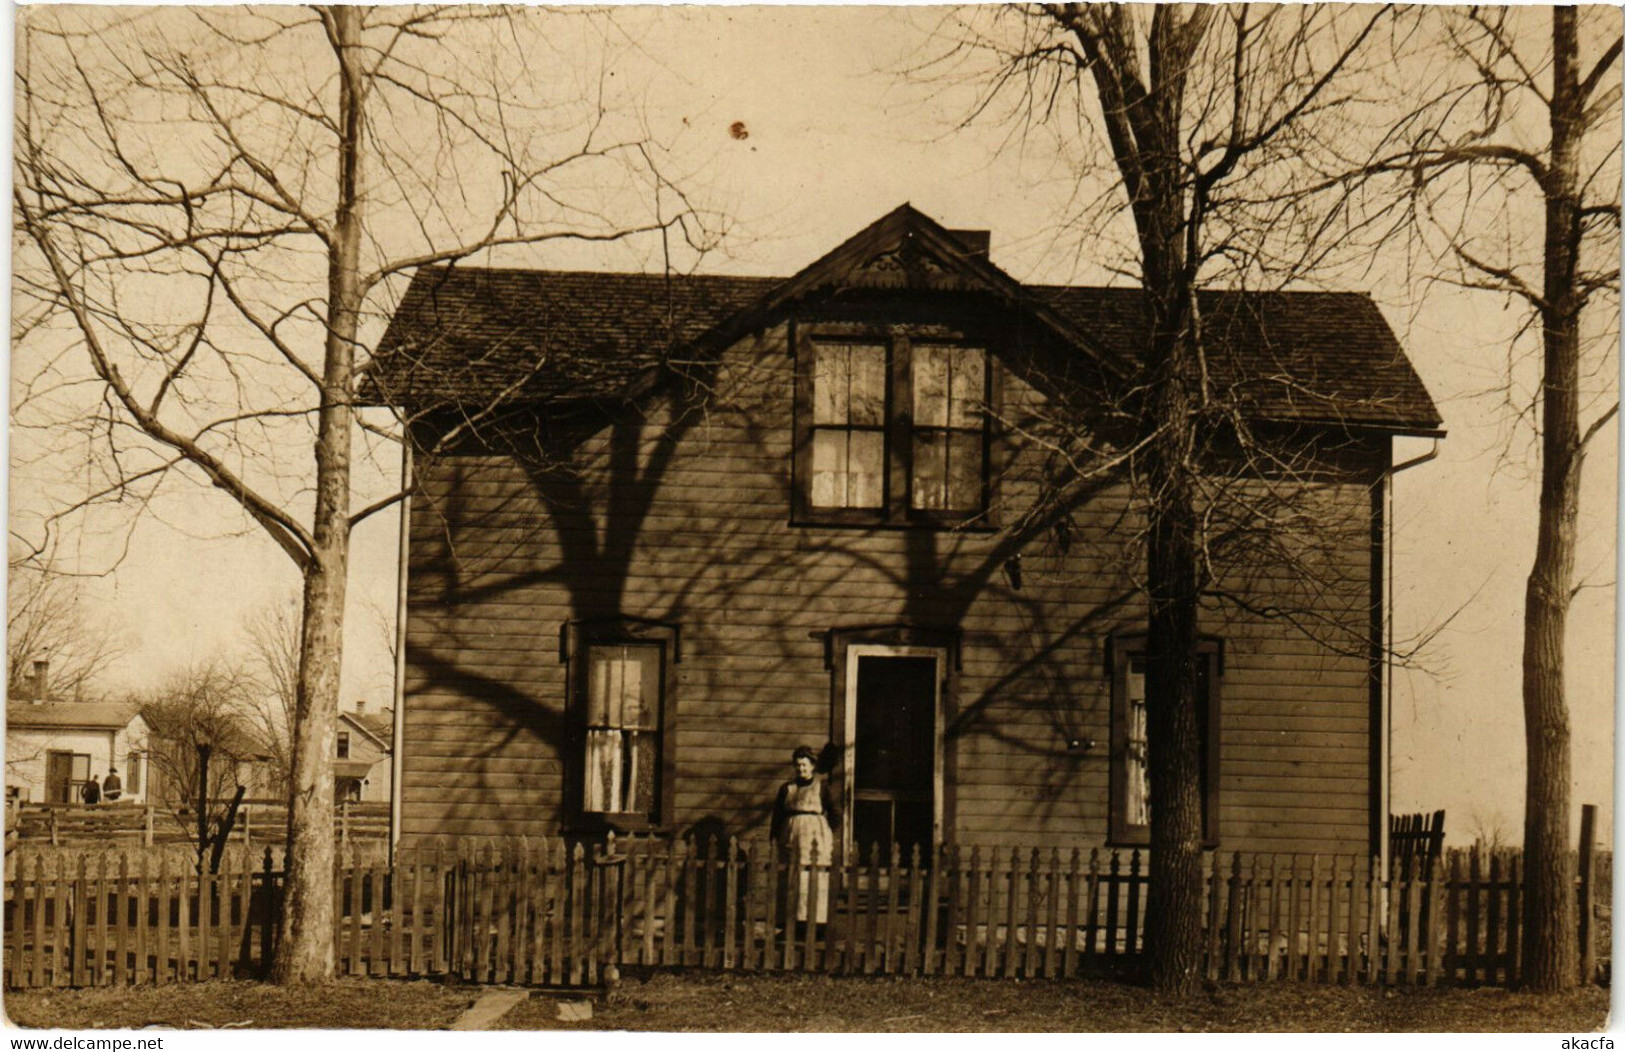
{"x":668,"y":527}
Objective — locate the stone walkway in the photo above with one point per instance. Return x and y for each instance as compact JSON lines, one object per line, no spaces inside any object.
{"x":497,"y":1002}
{"x":492,"y":1005}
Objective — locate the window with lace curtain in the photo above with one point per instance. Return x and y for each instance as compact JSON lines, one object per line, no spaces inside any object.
{"x":623,"y":742}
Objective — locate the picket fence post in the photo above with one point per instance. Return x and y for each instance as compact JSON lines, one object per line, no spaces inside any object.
{"x":1586,"y":893}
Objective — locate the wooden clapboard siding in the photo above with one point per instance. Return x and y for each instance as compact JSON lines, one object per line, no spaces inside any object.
{"x":698,"y":533}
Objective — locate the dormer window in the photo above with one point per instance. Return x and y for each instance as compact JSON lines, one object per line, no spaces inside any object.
{"x":893,"y":430}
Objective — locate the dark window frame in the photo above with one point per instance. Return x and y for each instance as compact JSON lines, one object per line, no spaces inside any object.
{"x":341,"y":747}
{"x":1121,"y":650}
{"x":896,"y":509}
{"x":576,"y":641}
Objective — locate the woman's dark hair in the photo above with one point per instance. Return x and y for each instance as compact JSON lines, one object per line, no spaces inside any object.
{"x":804,"y":750}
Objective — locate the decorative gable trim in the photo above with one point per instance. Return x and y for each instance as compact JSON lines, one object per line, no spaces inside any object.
{"x":904,"y":249}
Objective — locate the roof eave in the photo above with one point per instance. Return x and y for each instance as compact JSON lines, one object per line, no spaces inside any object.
{"x":1399,"y":429}
{"x":14,"y":726}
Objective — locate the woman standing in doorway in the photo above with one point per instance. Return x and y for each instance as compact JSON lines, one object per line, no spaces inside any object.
{"x":803,"y":819}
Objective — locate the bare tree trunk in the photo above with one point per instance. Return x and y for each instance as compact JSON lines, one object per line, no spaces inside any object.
{"x":1173,"y":733}
{"x":305,"y":953}
{"x":1550,"y":941}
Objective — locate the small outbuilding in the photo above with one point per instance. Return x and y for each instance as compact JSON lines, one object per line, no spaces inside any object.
{"x":54,"y":747}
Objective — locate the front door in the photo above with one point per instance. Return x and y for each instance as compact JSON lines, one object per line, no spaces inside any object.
{"x":893,"y":753}
{"x":65,"y":773}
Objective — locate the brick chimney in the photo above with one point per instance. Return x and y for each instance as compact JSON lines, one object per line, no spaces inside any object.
{"x":360,"y":706}
{"x":42,"y":669}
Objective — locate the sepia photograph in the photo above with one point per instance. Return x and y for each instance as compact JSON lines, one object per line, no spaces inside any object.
{"x":1043,"y":518}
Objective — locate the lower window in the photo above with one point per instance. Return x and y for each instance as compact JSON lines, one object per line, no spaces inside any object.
{"x":623,"y":741}
{"x":1130,"y":821}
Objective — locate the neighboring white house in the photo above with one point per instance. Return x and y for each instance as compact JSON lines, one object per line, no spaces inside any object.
{"x":54,"y":747}
{"x":361,"y":760}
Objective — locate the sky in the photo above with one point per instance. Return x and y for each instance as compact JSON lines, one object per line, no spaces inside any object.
{"x":833,"y":137}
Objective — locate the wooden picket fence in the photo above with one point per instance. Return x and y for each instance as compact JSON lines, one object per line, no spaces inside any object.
{"x":1035,"y":913}
{"x":573,"y":914}
{"x":72,"y":921}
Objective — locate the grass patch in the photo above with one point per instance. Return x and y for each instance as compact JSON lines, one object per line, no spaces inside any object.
{"x":360,"y":1004}
{"x":699,"y":1002}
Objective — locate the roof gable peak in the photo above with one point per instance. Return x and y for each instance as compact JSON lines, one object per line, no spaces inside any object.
{"x":905,"y":249}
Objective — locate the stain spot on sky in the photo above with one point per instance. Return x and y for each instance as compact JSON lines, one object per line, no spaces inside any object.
{"x":738,"y":130}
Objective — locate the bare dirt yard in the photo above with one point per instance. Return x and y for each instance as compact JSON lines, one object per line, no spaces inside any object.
{"x":770,"y":1003}
{"x":353,"y":1003}
{"x":695,"y":1002}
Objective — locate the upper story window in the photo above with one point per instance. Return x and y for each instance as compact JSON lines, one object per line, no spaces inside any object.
{"x":949,"y":427}
{"x":849,"y":426}
{"x":893,"y":431}
{"x":344,"y":745}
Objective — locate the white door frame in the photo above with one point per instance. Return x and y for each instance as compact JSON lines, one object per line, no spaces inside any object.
{"x":849,"y":721}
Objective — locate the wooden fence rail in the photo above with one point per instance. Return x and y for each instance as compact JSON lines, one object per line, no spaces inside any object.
{"x":572,"y":914}
{"x":259,"y":822}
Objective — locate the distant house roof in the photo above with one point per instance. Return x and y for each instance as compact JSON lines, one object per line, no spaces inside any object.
{"x":236,"y":738}
{"x":469,"y":336}
{"x":68,"y":715}
{"x":379,"y":726}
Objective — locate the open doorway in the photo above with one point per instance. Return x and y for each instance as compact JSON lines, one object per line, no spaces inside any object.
{"x":894,"y":748}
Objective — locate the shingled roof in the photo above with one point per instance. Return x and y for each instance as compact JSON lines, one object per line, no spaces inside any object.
{"x":468,"y":335}
{"x":1302,"y":357}
{"x":465,"y":335}
{"x":68,"y":715}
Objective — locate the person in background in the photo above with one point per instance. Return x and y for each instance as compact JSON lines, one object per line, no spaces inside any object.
{"x":803,"y":819}
{"x":112,"y":787}
{"x":91,"y":792}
